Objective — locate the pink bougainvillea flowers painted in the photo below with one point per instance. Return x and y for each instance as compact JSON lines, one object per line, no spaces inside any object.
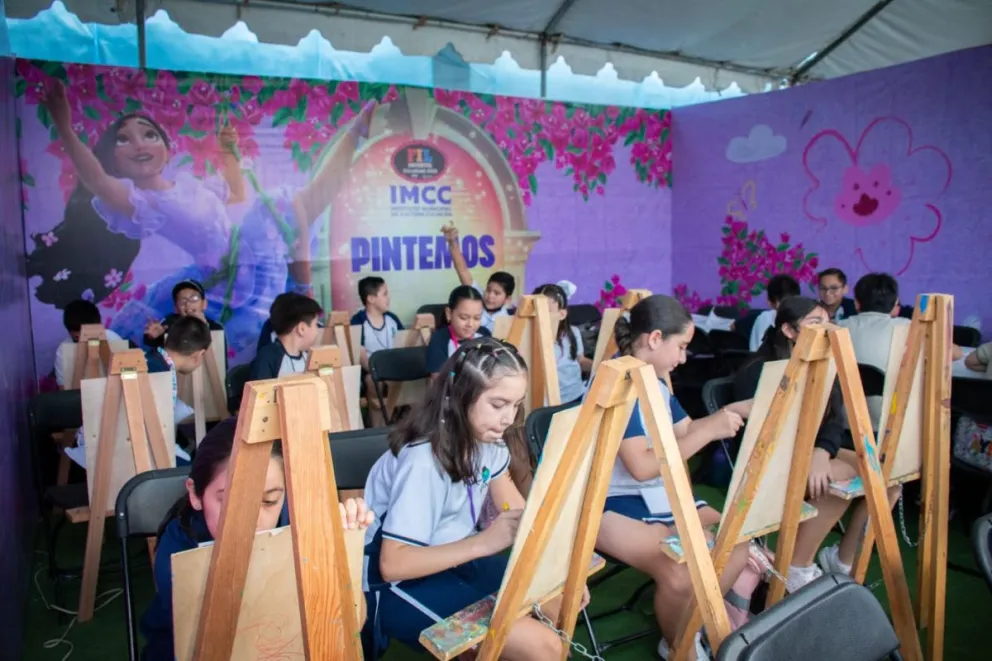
{"x":880,"y":196}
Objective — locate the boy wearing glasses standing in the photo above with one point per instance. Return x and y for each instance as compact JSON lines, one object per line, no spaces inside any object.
{"x":190,"y":300}
{"x":833,"y":294}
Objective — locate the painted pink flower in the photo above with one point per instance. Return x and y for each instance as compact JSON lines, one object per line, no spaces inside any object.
{"x":49,"y":239}
{"x":201,"y":151}
{"x":251,"y":112}
{"x":81,"y":81}
{"x":125,"y":83}
{"x":112,"y":279}
{"x":879,"y":195}
{"x":203,"y":118}
{"x":35,"y":80}
{"x":203,"y":93}
{"x":252,"y":84}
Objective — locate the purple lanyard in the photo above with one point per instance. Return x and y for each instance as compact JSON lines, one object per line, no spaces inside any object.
{"x":471,"y":506}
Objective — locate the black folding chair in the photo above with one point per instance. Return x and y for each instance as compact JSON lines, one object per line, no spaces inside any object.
{"x":537,"y":426}
{"x":872,"y":380}
{"x":403,"y":365}
{"x":49,"y":413}
{"x":981,"y":544}
{"x":583,"y":313}
{"x":354,"y":452}
{"x":966,"y":336}
{"x":142,"y":504}
{"x":831,"y":618}
{"x":237,"y":377}
{"x":436,"y":309}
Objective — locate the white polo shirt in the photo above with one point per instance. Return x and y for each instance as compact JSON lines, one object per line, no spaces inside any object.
{"x":871,"y":335}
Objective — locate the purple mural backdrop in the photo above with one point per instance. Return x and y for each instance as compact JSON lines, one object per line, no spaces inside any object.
{"x":883,"y":171}
{"x":17,"y":503}
{"x":133,"y":180}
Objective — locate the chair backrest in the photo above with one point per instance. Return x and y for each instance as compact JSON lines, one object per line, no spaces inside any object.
{"x":539,"y":423}
{"x":436,"y":309}
{"x":583,"y":313}
{"x":717,"y":393}
{"x":146,"y":498}
{"x":726,"y":311}
{"x":966,"y":336}
{"x":872,"y":380}
{"x":971,"y":397}
{"x":354,"y":452}
{"x":981,"y":544}
{"x":402,"y":364}
{"x":62,"y":409}
{"x":700,"y":344}
{"x":831,"y":618}
{"x":237,"y":377}
{"x":723,"y":341}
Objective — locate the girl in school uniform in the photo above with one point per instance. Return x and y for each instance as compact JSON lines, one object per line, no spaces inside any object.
{"x":569,"y":354}
{"x":464,"y":314}
{"x":195,"y":518}
{"x":638,"y":514}
{"x":430,"y":557}
{"x":834,"y":459}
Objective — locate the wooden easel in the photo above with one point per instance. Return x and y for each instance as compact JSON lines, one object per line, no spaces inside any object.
{"x":531,"y":331}
{"x":809,"y":368}
{"x":606,"y":345}
{"x":128,"y":384}
{"x":927,"y":350}
{"x":92,"y":354}
{"x":291,"y":410}
{"x":564,"y":511}
{"x":212,"y":408}
{"x":412,"y":391}
{"x":337,"y":332}
{"x":325,"y":364}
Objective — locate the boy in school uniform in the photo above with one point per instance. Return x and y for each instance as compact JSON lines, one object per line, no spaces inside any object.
{"x":833,"y":289}
{"x":76,"y":315}
{"x":294,"y":320}
{"x":779,"y":287}
{"x":496,"y":297}
{"x":379,"y":325}
{"x":190,"y":300}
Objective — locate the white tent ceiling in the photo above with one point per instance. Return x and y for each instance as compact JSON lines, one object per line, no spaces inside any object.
{"x":752,"y":42}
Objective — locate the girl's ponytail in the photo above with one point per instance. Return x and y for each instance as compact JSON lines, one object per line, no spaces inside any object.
{"x":623,"y":335}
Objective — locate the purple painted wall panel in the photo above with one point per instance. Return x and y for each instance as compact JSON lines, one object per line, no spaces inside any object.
{"x":16,"y":382}
{"x":883,"y":171}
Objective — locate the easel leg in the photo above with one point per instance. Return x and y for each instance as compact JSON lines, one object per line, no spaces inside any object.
{"x":611,"y":433}
{"x":795,"y":495}
{"x":98,"y":503}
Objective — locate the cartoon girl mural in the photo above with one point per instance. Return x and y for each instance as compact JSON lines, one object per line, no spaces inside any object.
{"x":124,"y":196}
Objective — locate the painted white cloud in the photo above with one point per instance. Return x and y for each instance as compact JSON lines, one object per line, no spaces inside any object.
{"x":760,"y":145}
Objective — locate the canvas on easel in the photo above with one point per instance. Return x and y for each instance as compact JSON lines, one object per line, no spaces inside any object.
{"x":89,"y":358}
{"x":553,"y":552}
{"x":235,"y":614}
{"x":204,"y":389}
{"x":343,"y":387}
{"x":532,"y":331}
{"x":337,"y":332}
{"x":128,"y":429}
{"x":606,"y":345}
{"x":806,"y":377}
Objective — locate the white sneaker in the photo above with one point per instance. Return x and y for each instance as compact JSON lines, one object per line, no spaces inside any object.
{"x":701,"y":653}
{"x":800,"y":576}
{"x":829,"y":559}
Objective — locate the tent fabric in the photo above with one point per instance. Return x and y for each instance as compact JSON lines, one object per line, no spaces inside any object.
{"x":754,"y":42}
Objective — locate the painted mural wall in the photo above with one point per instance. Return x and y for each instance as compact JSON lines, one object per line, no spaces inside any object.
{"x":883,"y":171}
{"x":17,"y":503}
{"x":254,"y":186}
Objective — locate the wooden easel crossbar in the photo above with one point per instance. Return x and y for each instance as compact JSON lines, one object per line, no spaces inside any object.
{"x":569,"y":491}
{"x":292,"y":410}
{"x":325,"y":364}
{"x":531,"y":331}
{"x":606,"y":345}
{"x":209,"y":371}
{"x":337,"y":332}
{"x":127,"y":384}
{"x":92,"y":354}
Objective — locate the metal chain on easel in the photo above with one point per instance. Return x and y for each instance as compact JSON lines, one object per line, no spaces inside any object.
{"x":902,"y":525}
{"x":578,"y":647}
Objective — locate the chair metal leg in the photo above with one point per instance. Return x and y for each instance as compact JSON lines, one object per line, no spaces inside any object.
{"x":596,"y":651}
{"x":132,"y":637}
{"x":627,"y":605}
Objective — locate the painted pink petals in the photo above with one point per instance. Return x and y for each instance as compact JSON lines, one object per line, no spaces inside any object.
{"x":879,"y":196}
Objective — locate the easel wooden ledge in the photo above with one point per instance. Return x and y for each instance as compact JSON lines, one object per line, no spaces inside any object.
{"x":809,"y":362}
{"x":127,"y":383}
{"x":606,"y":410}
{"x":337,"y":332}
{"x":291,"y":410}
